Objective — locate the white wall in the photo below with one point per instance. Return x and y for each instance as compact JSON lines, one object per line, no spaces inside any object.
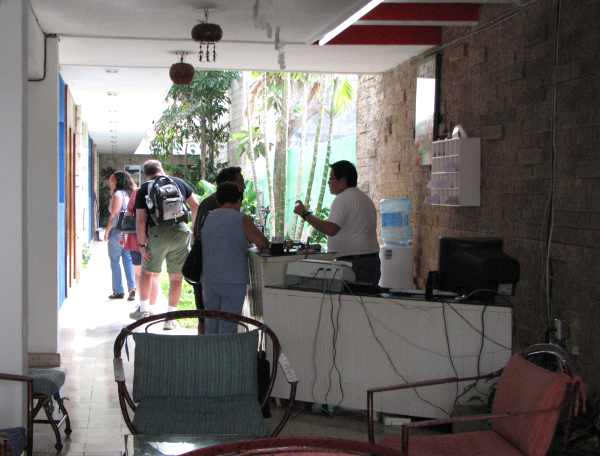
{"x":42,"y":210}
{"x":35,"y":46}
{"x":13,"y":121}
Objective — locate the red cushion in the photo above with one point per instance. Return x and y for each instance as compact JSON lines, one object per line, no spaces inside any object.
{"x":524,"y":386}
{"x":480,"y":443}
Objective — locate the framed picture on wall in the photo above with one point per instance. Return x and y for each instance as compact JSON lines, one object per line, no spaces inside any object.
{"x":426,"y":109}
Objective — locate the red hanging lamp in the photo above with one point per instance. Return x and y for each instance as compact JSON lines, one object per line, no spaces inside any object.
{"x":181,"y":73}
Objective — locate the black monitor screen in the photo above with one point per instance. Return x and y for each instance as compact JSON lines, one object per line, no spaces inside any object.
{"x":468,"y":264}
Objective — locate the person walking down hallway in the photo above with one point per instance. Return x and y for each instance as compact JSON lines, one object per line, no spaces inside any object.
{"x":162,"y":232}
{"x":225,"y":236}
{"x":131,"y":244}
{"x":121,"y":187}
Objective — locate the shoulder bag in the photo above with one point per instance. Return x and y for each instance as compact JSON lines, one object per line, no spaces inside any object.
{"x":126,"y":222}
{"x":192,"y":268}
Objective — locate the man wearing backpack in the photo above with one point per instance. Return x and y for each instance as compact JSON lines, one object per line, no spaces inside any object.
{"x":163,"y":234}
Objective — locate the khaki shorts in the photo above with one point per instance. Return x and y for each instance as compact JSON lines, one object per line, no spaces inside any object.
{"x":167,"y":242}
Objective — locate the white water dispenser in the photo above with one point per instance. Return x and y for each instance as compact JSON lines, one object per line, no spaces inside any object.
{"x":396,"y":254}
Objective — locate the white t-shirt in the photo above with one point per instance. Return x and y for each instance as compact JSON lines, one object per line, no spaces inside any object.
{"x":355,"y":214}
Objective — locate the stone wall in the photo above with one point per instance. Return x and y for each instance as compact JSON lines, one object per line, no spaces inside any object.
{"x":499,"y":84}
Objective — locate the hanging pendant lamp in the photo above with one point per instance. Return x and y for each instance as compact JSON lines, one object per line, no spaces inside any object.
{"x":181,"y":73}
{"x":207,"y":34}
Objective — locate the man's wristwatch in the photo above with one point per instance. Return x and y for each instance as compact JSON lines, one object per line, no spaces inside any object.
{"x":143,"y":245}
{"x":305,"y":214}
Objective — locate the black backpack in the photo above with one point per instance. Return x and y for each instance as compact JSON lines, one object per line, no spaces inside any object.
{"x":166,"y":204}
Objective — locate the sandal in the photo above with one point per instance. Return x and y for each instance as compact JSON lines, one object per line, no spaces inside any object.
{"x":131,"y":296}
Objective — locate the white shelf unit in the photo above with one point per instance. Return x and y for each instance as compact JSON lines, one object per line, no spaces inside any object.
{"x":456,"y":172}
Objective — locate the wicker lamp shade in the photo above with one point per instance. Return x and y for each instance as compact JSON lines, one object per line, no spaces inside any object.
{"x":205,"y":32}
{"x":181,"y":73}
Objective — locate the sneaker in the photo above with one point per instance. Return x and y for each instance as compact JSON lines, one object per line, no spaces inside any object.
{"x":131,"y":296}
{"x":169,"y":325}
{"x":117,"y":296}
{"x":138,"y":314}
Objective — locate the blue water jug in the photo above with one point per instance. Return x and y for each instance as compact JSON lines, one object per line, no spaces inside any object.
{"x":395,"y":221}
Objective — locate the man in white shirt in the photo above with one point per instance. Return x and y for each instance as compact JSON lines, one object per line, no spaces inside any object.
{"x":352,"y":224}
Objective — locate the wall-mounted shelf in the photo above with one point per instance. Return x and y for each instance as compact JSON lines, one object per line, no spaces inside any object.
{"x":456,"y":172}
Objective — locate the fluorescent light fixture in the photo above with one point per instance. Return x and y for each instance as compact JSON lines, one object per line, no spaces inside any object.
{"x":349,"y":21}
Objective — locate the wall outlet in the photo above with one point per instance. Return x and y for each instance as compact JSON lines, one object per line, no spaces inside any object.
{"x":395,"y":420}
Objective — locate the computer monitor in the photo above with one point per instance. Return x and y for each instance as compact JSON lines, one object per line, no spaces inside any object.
{"x":469,"y":264}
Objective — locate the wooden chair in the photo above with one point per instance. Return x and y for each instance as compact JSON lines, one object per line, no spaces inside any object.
{"x":199,"y":384}
{"x":15,"y":440}
{"x":296,"y":446}
{"x":528,"y":403}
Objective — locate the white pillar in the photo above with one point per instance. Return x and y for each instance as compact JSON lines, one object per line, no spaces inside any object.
{"x":13,"y":121}
{"x":42,"y":207}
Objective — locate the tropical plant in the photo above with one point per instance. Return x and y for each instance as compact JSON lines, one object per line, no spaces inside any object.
{"x":249,"y":144}
{"x":316,"y":237}
{"x":309,"y":88}
{"x":315,"y":155}
{"x":342,"y":94}
{"x":196,"y":115}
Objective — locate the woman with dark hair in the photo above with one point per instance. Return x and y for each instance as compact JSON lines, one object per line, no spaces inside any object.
{"x":226,"y":235}
{"x":121,"y":186}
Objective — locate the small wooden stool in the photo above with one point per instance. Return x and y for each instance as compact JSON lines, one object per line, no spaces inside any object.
{"x":46,"y":387}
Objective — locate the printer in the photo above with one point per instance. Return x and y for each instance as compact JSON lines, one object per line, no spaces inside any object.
{"x":319,"y":275}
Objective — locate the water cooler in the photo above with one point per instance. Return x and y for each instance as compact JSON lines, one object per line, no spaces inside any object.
{"x":396,"y":254}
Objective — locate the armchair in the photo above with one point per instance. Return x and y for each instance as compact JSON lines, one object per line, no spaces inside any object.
{"x":528,"y":403}
{"x":16,"y":440}
{"x":199,"y":384}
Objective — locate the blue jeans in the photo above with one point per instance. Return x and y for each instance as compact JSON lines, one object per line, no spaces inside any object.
{"x":226,"y":297}
{"x":116,"y":252}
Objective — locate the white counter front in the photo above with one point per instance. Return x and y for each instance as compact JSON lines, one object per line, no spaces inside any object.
{"x":412,"y":332}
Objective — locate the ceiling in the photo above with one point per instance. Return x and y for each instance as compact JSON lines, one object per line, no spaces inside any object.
{"x":136,"y":38}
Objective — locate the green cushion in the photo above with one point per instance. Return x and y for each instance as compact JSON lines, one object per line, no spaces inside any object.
{"x":194,"y":366}
{"x":240,"y":415}
{"x":47,"y":381}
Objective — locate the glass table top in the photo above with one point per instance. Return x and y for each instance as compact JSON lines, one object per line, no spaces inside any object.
{"x":173,"y":445}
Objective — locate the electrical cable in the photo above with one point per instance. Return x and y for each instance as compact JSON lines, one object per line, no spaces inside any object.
{"x":333,"y":336}
{"x":483,"y":338}
{"x":387,"y":354}
{"x":315,"y":339}
{"x":450,"y":352}
{"x":553,"y":161}
{"x":477,"y":330}
{"x":409,"y":342}
{"x":482,"y":333}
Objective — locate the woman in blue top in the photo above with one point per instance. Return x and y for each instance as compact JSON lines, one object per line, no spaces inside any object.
{"x":226,"y":236}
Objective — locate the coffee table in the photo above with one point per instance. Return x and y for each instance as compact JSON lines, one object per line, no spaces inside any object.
{"x":173,"y":445}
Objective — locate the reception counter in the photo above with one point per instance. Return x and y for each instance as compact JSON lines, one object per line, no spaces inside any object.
{"x":368,"y":330}
{"x":342,"y":344}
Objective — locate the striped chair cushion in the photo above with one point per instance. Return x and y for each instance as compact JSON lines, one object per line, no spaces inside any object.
{"x":195,"y":366}
{"x":238,"y":415}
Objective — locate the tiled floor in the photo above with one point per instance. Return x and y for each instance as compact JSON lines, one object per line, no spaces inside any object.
{"x":89,"y":324}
